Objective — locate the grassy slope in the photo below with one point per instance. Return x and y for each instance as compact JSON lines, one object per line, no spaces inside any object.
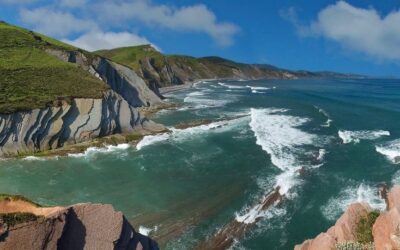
{"x":131,"y":56}
{"x":31,"y":78}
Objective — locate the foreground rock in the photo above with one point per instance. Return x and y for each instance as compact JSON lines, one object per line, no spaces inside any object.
{"x":344,"y":230}
{"x":385,"y":229}
{"x":25,"y":225}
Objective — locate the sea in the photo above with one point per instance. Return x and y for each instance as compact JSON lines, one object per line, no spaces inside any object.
{"x":321,"y":143}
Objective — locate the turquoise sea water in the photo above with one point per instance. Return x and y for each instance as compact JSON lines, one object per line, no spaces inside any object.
{"x":325,"y":142}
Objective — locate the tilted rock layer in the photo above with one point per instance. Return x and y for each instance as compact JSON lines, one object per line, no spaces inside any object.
{"x":83,"y":119}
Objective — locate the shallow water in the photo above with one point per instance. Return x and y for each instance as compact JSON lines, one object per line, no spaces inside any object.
{"x":343,"y":137}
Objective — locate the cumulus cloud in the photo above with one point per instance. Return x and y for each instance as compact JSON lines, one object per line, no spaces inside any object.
{"x":196,"y":18}
{"x":54,"y":22}
{"x":108,"y":40}
{"x":359,"y":29}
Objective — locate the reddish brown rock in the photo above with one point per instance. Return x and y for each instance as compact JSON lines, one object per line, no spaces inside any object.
{"x":81,"y":226}
{"x":343,"y":230}
{"x":386,"y":230}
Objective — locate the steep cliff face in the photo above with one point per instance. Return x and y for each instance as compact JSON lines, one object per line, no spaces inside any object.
{"x":111,"y":108}
{"x":82,"y":120}
{"x":161,"y":70}
{"x":80,"y":226}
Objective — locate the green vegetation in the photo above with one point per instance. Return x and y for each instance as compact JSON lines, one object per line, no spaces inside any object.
{"x":351,"y":245}
{"x":12,"y":219}
{"x":31,"y":78}
{"x":364,"y":228}
{"x":132,"y":56}
{"x":11,"y":197}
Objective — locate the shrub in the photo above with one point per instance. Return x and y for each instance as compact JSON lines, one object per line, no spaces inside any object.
{"x":364,"y":227}
{"x":351,"y":245}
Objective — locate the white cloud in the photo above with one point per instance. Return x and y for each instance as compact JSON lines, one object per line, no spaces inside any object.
{"x":196,"y":18}
{"x":73,"y":3}
{"x":54,"y":22}
{"x":358,"y":29}
{"x":108,"y":40}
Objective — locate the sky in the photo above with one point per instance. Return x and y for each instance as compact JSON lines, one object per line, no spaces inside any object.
{"x":353,"y":36}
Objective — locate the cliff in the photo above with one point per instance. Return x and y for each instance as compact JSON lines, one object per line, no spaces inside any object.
{"x":362,"y":228}
{"x":26,"y":225}
{"x":53,"y":94}
{"x":165,"y":70}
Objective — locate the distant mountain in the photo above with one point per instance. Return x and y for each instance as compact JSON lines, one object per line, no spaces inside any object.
{"x":160,"y":70}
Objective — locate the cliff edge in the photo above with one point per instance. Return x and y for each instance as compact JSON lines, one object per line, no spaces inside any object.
{"x":26,"y":225}
{"x":360,"y":227}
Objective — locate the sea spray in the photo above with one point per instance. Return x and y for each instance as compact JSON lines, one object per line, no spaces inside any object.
{"x":361,"y":193}
{"x":391,"y":150}
{"x":356,"y":136}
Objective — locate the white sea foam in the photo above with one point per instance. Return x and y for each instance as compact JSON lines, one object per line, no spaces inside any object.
{"x":200,"y":102}
{"x":256,"y":212}
{"x":328,"y":121}
{"x":257,"y":88}
{"x":106,"y":149}
{"x":357,"y":136}
{"x":278,"y":134}
{"x":363,"y":193}
{"x":34,"y":158}
{"x":188,"y":133}
{"x":391,"y":150}
{"x":146,"y":231}
{"x":321,"y":155}
{"x":151,"y":139}
{"x":229,"y":86}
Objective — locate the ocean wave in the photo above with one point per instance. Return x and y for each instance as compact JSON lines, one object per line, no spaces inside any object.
{"x":321,"y":155}
{"x":356,"y":136}
{"x":257,"y":88}
{"x":34,"y":158}
{"x":278,"y":134}
{"x":391,"y":150}
{"x":231,"y":86}
{"x":328,"y":121}
{"x":146,"y":231}
{"x":188,"y":133}
{"x":151,"y":139}
{"x":96,"y":150}
{"x":199,"y":102}
{"x":253,"y":213}
{"x":363,"y":193}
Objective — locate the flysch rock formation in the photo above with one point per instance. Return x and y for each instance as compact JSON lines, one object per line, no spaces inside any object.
{"x":385,"y":230}
{"x":83,"y":119}
{"x":81,"y":226}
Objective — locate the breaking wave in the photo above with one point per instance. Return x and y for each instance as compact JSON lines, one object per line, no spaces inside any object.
{"x":363,"y":193}
{"x":188,"y":133}
{"x":391,"y":150}
{"x":357,"y":136}
{"x":96,"y":150}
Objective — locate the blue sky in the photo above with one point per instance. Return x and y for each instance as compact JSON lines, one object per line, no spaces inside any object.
{"x":345,"y":36}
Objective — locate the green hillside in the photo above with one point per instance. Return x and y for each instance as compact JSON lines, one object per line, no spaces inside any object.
{"x":31,"y":78}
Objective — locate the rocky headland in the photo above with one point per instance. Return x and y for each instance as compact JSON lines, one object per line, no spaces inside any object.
{"x":27,"y":225}
{"x":360,"y":227}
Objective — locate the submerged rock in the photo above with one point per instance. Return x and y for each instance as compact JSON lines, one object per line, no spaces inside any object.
{"x":80,"y":226}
